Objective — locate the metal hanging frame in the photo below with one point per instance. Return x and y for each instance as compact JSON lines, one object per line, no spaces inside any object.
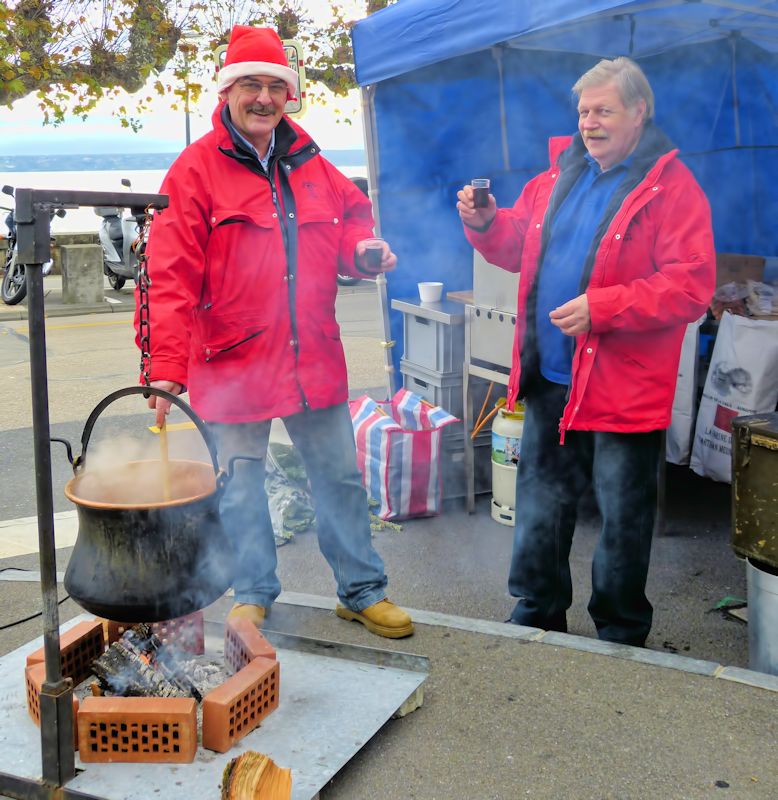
{"x":33,"y":223}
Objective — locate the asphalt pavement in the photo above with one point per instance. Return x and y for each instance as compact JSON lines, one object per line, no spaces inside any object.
{"x":507,"y":712}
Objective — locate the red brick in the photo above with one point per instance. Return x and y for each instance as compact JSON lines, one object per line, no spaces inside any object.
{"x":138,"y":729}
{"x":243,"y":642}
{"x":115,"y":630}
{"x":185,"y":633}
{"x":78,"y":648}
{"x":34,"y":676}
{"x":239,"y":705}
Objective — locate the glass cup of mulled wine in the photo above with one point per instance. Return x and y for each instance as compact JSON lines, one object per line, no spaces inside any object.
{"x":480,"y":192}
{"x":374,"y":254}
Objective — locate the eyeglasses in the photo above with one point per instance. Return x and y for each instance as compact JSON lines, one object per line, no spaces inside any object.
{"x":251,"y":86}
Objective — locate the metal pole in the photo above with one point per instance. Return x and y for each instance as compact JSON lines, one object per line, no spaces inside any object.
{"x":467,"y":417}
{"x":56,"y":702}
{"x":26,"y":789}
{"x":373,"y":171}
{"x":733,"y":39}
{"x":506,"y":158}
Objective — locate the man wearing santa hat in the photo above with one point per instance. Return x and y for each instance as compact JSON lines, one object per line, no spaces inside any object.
{"x":243,"y":268}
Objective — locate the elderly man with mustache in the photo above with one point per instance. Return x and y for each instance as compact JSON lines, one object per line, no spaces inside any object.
{"x":243,"y":268}
{"x":615,"y":249}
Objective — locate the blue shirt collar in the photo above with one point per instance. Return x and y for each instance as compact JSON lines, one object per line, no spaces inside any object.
{"x":250,"y":147}
{"x":598,"y":170}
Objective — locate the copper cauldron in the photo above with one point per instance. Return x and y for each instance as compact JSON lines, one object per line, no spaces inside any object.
{"x":138,"y":556}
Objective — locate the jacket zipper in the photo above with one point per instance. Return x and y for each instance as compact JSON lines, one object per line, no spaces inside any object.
{"x":208,"y":351}
{"x":291,"y":277}
{"x":277,"y":206}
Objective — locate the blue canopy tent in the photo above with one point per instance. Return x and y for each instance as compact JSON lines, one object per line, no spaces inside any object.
{"x":454,"y":89}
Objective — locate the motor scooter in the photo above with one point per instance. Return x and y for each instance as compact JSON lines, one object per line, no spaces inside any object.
{"x":14,"y":286}
{"x":118,"y":237}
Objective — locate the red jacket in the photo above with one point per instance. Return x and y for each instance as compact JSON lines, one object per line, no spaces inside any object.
{"x":652,"y":273}
{"x":244,"y":276}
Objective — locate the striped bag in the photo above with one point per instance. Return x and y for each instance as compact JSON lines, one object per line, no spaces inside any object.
{"x":398,"y":453}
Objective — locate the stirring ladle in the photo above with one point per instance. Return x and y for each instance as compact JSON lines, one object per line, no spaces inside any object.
{"x":165,"y":461}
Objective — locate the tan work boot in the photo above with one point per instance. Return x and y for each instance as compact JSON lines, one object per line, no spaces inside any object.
{"x":383,"y":618}
{"x":255,"y":614}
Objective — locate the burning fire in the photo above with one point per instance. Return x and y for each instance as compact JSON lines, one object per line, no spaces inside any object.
{"x":138,"y":665}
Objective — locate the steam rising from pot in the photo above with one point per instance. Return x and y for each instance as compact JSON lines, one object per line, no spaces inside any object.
{"x":125,"y":472}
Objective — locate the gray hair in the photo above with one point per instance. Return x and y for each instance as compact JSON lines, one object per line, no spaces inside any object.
{"x":630,"y":80}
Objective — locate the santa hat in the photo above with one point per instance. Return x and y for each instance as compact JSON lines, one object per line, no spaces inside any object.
{"x":256,"y":51}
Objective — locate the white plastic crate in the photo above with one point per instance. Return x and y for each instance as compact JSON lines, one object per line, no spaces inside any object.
{"x":440,"y":389}
{"x":445,"y":390}
{"x":433,"y":335}
{"x":433,"y":345}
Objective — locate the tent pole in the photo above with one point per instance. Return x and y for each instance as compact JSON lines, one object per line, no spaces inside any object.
{"x":373,"y":172}
{"x":733,"y":37}
{"x":506,"y":160}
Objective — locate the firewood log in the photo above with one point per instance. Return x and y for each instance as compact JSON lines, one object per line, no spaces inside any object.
{"x":255,"y":776}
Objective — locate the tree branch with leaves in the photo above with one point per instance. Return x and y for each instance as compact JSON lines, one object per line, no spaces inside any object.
{"x":70,"y":54}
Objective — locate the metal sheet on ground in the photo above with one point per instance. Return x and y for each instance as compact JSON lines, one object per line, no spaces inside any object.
{"x":333,"y":699}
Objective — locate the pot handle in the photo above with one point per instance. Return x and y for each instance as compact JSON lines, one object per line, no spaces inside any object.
{"x":80,"y":461}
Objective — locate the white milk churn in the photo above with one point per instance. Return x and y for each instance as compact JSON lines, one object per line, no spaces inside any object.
{"x":506,"y":446}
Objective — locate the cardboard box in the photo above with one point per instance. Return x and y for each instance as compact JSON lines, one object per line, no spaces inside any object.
{"x":737,"y":268}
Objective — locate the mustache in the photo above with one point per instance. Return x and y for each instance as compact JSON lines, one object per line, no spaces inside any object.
{"x":258,"y":108}
{"x":595,"y":136}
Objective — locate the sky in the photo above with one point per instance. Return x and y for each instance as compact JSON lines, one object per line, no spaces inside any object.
{"x":22,"y":131}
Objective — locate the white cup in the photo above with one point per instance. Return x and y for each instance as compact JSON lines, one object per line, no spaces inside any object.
{"x":430,"y":291}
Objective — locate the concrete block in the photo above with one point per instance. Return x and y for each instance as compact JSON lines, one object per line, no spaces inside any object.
{"x":60,"y":239}
{"x":411,"y":704}
{"x":82,"y":274}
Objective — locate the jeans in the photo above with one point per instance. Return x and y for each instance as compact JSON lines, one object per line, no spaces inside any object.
{"x":325,"y":440}
{"x":622,"y":469}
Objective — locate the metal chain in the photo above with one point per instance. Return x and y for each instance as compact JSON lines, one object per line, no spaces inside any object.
{"x":144,"y":284}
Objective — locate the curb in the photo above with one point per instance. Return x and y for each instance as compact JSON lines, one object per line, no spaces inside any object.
{"x":639,"y":655}
{"x":69,"y":311}
{"x":54,"y":307}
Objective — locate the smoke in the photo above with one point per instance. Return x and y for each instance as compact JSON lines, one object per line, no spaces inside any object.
{"x":107,"y":455}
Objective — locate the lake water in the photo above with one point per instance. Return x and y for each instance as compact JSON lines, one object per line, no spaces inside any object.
{"x":84,"y":219}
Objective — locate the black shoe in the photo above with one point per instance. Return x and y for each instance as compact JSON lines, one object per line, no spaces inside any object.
{"x":556,"y":622}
